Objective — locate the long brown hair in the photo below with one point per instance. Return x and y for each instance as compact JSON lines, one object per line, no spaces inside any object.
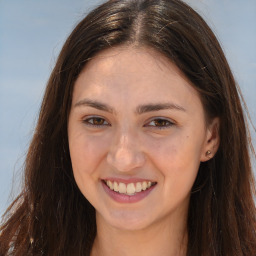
{"x":51,"y":216}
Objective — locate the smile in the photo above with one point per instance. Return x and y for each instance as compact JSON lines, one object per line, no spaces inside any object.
{"x":130,"y":188}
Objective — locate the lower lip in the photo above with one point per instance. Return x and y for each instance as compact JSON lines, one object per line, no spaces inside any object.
{"x":122,"y":198}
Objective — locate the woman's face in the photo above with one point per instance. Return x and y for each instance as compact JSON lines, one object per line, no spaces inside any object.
{"x":137,"y":134}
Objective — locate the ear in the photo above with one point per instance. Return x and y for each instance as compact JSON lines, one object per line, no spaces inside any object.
{"x":212,"y":140}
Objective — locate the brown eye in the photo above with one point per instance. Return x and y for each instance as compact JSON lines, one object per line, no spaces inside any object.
{"x":160,"y":123}
{"x":96,"y":121}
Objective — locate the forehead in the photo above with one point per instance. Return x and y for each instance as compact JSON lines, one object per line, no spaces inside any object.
{"x":132,"y":75}
{"x":132,"y":60}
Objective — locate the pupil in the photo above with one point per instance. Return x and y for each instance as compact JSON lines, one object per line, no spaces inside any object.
{"x":161,"y":122}
{"x":98,"y":121}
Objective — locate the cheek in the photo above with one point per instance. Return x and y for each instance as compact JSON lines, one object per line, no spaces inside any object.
{"x":176,"y":156}
{"x":86,"y":153}
{"x":178,"y":162}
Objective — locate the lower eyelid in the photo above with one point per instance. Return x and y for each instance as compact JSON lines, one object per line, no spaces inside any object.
{"x":161,"y":127}
{"x":169,"y":123}
{"x":86,"y":121}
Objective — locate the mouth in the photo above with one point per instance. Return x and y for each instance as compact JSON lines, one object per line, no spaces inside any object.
{"x":129,"y":189}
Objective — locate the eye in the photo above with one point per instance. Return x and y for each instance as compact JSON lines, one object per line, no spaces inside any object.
{"x":96,"y":121}
{"x":160,"y":123}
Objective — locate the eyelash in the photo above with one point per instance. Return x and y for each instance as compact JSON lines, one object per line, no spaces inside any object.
{"x":90,"y":121}
{"x":165,"y":123}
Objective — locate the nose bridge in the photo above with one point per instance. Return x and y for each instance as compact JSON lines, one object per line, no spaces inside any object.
{"x":125,"y":152}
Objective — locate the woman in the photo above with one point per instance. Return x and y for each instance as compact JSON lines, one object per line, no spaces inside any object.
{"x":141,"y":146}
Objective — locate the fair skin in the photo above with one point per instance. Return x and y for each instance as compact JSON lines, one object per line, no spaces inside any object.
{"x":136,"y":121}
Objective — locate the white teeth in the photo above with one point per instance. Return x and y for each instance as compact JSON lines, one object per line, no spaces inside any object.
{"x":138,"y":187}
{"x":110,"y":184}
{"x":129,"y":189}
{"x":116,"y":187}
{"x":144,"y":185}
{"x":122,"y":188}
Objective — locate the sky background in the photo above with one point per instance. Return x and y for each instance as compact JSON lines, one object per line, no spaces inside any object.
{"x":31,"y":36}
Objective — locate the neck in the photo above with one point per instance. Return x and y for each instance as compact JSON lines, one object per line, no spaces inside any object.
{"x":165,"y":239}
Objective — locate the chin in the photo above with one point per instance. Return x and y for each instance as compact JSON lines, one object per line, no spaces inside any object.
{"x":128,"y":220}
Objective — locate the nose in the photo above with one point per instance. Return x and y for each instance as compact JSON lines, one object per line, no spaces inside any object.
{"x":125,"y":153}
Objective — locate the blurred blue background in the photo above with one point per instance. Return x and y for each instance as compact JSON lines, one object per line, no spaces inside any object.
{"x":31,"y":36}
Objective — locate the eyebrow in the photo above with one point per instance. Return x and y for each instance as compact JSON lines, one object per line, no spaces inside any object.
{"x":156,"y":107}
{"x":141,"y":109}
{"x":95,"y":104}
